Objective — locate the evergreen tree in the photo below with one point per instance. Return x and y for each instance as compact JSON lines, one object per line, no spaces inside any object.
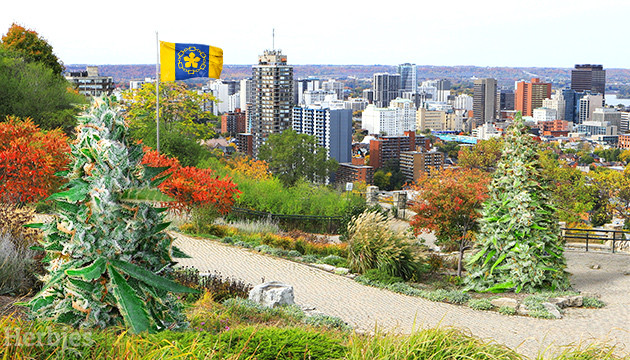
{"x":520,"y":246}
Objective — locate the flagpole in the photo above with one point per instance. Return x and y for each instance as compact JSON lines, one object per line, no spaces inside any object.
{"x":157,"y":93}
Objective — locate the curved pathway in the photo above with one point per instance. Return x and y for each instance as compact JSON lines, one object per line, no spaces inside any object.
{"x":365,"y":307}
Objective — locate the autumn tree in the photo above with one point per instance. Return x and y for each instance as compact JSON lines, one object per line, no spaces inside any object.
{"x":614,"y":186}
{"x":29,"y":159}
{"x":519,"y":243}
{"x":251,"y":168}
{"x":29,"y":89}
{"x":292,"y":156}
{"x":32,"y":47}
{"x":182,"y":111}
{"x":484,"y":155}
{"x":448,"y":204}
{"x":572,"y":193}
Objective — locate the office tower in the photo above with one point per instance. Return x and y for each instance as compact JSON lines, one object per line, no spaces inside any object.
{"x":443,"y":88}
{"x":408,"y":77}
{"x":463,"y":102}
{"x":336,"y":86}
{"x":368,"y":95}
{"x":530,"y":95}
{"x":302,"y":85}
{"x":589,"y":77}
{"x":587,"y":105}
{"x":558,"y":103}
{"x":484,"y":101}
{"x":611,"y":116}
{"x":273,"y":100}
{"x":332,"y":128}
{"x":386,"y":88}
{"x":247,"y":93}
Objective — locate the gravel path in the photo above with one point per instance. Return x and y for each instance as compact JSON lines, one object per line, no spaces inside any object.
{"x":365,"y":307}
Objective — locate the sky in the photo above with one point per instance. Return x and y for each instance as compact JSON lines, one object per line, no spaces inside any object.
{"x":525,"y":33}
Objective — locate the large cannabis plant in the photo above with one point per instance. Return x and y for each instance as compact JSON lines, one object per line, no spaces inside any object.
{"x":519,"y":241}
{"x":108,"y":257}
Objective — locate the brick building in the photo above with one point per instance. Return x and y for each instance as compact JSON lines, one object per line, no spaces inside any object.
{"x":414,"y":164}
{"x":386,"y":148}
{"x":233,"y":122}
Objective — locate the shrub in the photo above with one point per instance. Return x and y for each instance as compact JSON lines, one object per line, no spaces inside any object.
{"x":404,"y":289}
{"x":436,"y":295}
{"x":372,"y":245}
{"x":591,"y":302}
{"x":507,"y":310}
{"x":219,"y":286}
{"x":480,"y":304}
{"x":334,"y":260}
{"x":294,"y":254}
{"x":457,"y":297}
{"x":265,"y":249}
{"x":16,"y":265}
{"x":256,"y":226}
{"x":332,"y":322}
{"x":376,"y":275}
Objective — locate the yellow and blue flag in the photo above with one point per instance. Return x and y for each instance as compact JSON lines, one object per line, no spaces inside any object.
{"x":185,"y":61}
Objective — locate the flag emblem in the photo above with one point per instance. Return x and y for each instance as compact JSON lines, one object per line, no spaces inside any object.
{"x":192,"y":60}
{"x":184,"y":61}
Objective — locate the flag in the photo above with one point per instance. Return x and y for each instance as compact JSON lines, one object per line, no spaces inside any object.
{"x":185,"y":61}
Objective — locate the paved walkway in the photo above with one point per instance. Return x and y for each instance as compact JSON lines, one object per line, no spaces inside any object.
{"x":365,"y":307}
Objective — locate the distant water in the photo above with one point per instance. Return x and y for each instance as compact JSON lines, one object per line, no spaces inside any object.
{"x":611,"y":99}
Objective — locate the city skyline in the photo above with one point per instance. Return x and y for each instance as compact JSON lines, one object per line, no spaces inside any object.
{"x":485,"y":33}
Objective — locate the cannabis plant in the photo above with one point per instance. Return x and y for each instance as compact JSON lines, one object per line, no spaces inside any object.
{"x":519,"y":241}
{"x":108,"y":257}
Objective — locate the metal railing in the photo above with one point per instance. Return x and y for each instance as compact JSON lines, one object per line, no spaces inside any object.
{"x":594,"y":236}
{"x":317,"y":223}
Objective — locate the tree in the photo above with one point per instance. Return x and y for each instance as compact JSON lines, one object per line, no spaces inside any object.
{"x":32,"y":47}
{"x":292,"y":156}
{"x":448,"y":204}
{"x":484,"y":155}
{"x":33,"y":90}
{"x":614,"y":186}
{"x":450,"y":148}
{"x":182,"y":111}
{"x":109,"y":260}
{"x":572,"y":194}
{"x":29,"y":159}
{"x":519,"y":245}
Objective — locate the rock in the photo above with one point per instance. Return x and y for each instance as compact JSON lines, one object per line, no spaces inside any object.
{"x":522,"y":310}
{"x":596,"y":267}
{"x":567,"y":301}
{"x":272,"y":294}
{"x":553,"y":310}
{"x":342,"y":271}
{"x":500,"y":302}
{"x":325,"y":267}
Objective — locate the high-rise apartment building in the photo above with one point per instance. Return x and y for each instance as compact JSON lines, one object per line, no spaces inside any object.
{"x":408,"y":77}
{"x":484,"y":101}
{"x":233,"y":122}
{"x":332,"y":128}
{"x":557,"y":103}
{"x":587,"y":105}
{"x":530,"y":95}
{"x":394,"y":120}
{"x":589,"y":77}
{"x":386,"y":88}
{"x":273,"y":96}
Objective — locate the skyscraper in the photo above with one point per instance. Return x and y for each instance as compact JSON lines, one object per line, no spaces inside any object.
{"x":484,"y":101}
{"x":273,"y":96}
{"x":386,"y":88}
{"x":530,"y":95}
{"x":408,"y":77}
{"x":589,"y":77}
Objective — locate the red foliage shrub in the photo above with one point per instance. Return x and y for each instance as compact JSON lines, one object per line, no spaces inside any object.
{"x":29,"y":159}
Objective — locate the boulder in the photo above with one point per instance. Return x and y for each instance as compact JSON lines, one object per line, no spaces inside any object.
{"x":272,"y":294}
{"x":500,"y":302}
{"x":522,"y":310}
{"x":567,"y":301}
{"x":553,"y":310}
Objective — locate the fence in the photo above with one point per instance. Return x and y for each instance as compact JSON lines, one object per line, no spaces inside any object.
{"x":596,"y":238}
{"x":308,"y":223}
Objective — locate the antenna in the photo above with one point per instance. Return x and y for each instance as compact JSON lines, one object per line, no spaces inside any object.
{"x":273,"y":39}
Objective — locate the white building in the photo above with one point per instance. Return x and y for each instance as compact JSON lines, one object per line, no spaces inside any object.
{"x":587,"y":105}
{"x":356,"y":104}
{"x":611,"y":116}
{"x":399,"y":117}
{"x":334,"y":85}
{"x":311,"y":97}
{"x":486,"y":132}
{"x":545,"y":114}
{"x":463,"y":102}
{"x":558,"y":103}
{"x":137,"y":84}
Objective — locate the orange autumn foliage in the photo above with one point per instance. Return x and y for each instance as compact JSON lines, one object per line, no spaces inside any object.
{"x":251,"y":168}
{"x":191,"y":186}
{"x":29,"y":159}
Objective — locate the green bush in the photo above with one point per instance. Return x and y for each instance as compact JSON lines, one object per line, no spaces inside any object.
{"x":591,"y":302}
{"x":331,"y":322}
{"x":480,"y":304}
{"x":376,"y":275}
{"x":334,"y":260}
{"x":507,"y":310}
{"x":457,"y":297}
{"x":404,"y":289}
{"x":373,"y":245}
